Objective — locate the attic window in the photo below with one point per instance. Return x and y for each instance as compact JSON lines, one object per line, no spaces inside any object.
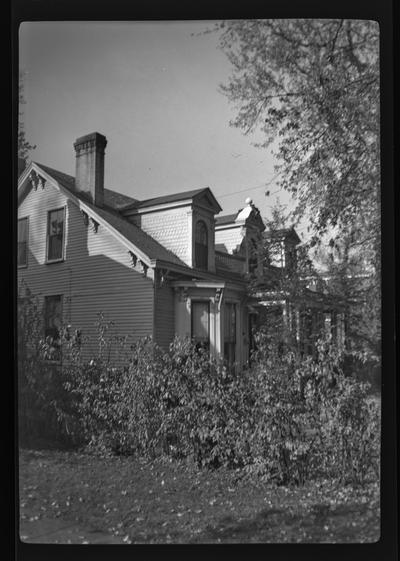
{"x":201,"y":245}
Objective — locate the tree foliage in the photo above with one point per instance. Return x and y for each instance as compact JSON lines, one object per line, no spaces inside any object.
{"x":24,"y":146}
{"x":313,"y":87}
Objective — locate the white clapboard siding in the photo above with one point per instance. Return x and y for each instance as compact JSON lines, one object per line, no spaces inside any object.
{"x":164,"y":316}
{"x":95,"y":276}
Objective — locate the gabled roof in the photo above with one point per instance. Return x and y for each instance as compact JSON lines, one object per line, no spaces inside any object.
{"x":110,"y":216}
{"x":151,"y":247}
{"x":111,"y":198}
{"x":249,"y":215}
{"x":195,"y":194}
{"x":147,"y":245}
{"x":117,"y":200}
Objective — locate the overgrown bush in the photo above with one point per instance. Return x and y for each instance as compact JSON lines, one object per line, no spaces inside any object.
{"x":44,"y":404}
{"x":312,"y":420}
{"x":179,"y":403}
{"x":289,"y":418}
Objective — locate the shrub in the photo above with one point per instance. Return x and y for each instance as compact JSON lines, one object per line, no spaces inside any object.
{"x":312,"y":420}
{"x":289,"y":418}
{"x":203,"y":406}
{"x":44,"y":412}
{"x":179,"y":403}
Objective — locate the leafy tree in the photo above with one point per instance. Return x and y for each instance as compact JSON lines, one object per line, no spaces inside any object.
{"x":313,"y":86}
{"x":349,"y":279}
{"x":24,"y":146}
{"x":287,"y":269}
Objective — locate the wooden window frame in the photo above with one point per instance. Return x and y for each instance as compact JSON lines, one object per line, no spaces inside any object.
{"x":200,"y":301}
{"x":24,"y":265}
{"x":58,"y":259}
{"x":201,"y":247}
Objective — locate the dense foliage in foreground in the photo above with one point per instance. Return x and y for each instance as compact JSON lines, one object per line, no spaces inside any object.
{"x":287,"y":419}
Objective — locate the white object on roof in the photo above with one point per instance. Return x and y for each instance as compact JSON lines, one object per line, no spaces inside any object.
{"x":246,"y":211}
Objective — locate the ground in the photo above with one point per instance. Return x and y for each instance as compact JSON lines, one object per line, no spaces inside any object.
{"x":76,"y":497}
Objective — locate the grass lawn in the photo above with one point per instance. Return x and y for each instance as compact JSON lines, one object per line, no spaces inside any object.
{"x":71,"y":497}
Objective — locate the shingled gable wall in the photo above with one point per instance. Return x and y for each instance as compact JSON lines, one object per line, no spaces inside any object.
{"x":173,"y":225}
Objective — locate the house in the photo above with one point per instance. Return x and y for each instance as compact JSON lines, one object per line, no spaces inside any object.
{"x":163,"y":266}
{"x":294,"y":298}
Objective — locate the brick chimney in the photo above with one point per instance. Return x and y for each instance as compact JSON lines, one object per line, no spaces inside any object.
{"x":89,"y":174}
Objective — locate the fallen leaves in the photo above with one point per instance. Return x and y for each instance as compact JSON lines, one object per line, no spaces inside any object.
{"x":166,"y":502}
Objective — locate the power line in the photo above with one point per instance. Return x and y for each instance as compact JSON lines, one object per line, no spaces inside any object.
{"x":247,"y":189}
{"x":241,"y":191}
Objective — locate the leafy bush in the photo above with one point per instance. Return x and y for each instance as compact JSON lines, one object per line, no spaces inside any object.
{"x":289,"y":418}
{"x":179,"y":403}
{"x":44,"y":410}
{"x":312,"y":420}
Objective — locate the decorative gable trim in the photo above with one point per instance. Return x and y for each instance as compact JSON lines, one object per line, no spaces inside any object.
{"x":87,"y":210}
{"x":207,"y":201}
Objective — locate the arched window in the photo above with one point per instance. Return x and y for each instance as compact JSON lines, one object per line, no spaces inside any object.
{"x":201,"y":246}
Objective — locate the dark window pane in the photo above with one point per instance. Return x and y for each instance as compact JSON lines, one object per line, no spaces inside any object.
{"x":23,"y":230}
{"x":230,"y":333}
{"x":55,"y":234}
{"x":22,"y":253}
{"x":201,"y":256}
{"x":201,"y":245}
{"x":22,"y":241}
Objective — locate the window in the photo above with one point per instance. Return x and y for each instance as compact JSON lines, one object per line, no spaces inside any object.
{"x":23,"y":242}
{"x":52,"y":322}
{"x":201,"y":245}
{"x":55,"y":235}
{"x":253,"y":257}
{"x":201,"y":324}
{"x":230,"y":333}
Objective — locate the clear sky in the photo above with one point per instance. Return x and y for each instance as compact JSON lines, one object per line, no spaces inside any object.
{"x":152,"y":89}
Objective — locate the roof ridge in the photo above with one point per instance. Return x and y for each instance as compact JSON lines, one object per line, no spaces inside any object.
{"x":171,"y":197}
